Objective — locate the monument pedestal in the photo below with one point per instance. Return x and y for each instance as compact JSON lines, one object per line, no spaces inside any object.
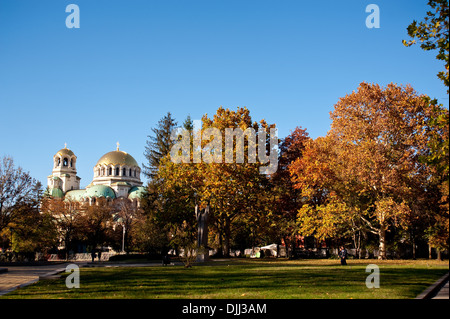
{"x":202,"y":255}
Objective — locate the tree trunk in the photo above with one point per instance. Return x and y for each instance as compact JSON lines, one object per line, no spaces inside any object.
{"x":359,"y":245}
{"x":439,"y":255}
{"x":382,"y":246}
{"x":429,"y":251}
{"x":220,"y":248}
{"x":227,"y":236}
{"x":286,"y":244}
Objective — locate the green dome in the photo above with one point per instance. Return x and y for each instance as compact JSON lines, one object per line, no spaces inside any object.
{"x":76,"y":195}
{"x":136,"y":192}
{"x":100,"y":191}
{"x":55,"y":192}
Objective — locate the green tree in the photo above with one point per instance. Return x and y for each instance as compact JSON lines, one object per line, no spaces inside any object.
{"x":433,"y":33}
{"x":158,"y":145}
{"x":152,"y":231}
{"x":438,"y":161}
{"x":168,"y":206}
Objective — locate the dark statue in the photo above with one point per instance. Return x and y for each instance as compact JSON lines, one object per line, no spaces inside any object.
{"x":202,"y":219}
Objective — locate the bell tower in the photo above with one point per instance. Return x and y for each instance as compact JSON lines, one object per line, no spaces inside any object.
{"x":64,"y":173}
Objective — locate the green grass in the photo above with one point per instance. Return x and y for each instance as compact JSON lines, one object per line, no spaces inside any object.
{"x":256,"y":279}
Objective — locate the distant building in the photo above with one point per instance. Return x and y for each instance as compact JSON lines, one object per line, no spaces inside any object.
{"x":116,"y":175}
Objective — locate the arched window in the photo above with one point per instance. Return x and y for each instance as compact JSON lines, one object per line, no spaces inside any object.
{"x":110,"y":171}
{"x":124,"y":171}
{"x":59,"y":161}
{"x":71,"y":163}
{"x":117,"y":171}
{"x":130,"y":173}
{"x":65,"y":162}
{"x":103,"y":171}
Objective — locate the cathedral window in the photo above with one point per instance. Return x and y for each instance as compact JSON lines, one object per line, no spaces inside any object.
{"x":129,"y":173}
{"x":117,"y":171}
{"x":124,"y":171}
{"x":65,"y":162}
{"x":110,"y":171}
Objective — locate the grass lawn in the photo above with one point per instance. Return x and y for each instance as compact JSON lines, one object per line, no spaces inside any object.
{"x":240,"y":279}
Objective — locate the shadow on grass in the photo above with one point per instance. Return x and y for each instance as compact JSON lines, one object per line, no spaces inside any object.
{"x":246,"y":279}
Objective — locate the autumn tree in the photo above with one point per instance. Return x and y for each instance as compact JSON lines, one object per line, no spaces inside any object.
{"x":235,"y":189}
{"x":205,"y":167}
{"x":29,"y":230}
{"x":32,"y":231}
{"x":66,"y":215}
{"x":377,"y":138}
{"x":96,"y":222}
{"x":319,"y":177}
{"x":287,"y":198}
{"x":126,"y":214}
{"x":17,"y":188}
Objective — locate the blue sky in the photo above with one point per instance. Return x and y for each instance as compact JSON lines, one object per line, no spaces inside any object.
{"x":131,"y":62}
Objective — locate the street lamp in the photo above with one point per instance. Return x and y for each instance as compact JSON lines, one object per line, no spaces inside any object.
{"x":123,"y":237}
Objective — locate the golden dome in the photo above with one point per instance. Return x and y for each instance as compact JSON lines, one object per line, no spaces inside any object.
{"x":117,"y":158}
{"x":65,"y":151}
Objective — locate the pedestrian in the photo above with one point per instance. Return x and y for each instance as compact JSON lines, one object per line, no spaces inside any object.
{"x":93,"y":255}
{"x":166,"y":260}
{"x":99,"y":255}
{"x":343,"y":255}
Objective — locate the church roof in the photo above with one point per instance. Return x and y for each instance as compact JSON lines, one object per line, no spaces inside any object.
{"x":100,"y":191}
{"x":136,"y":192}
{"x":65,"y":151}
{"x":117,"y":158}
{"x":76,"y":194}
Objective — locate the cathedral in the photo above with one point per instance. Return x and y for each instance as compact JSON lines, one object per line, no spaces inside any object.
{"x":116,"y":175}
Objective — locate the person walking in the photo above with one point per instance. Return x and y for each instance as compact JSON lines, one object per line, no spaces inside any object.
{"x":343,"y":255}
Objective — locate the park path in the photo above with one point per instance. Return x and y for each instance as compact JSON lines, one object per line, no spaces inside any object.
{"x":442,"y":293}
{"x":20,"y":276}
